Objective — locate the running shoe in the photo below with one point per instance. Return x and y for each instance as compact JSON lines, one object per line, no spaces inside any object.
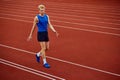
{"x":46,"y":65}
{"x":37,"y":58}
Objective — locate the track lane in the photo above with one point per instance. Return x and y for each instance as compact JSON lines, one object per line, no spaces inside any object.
{"x":95,"y":23}
{"x":107,"y":14}
{"x":71,"y":72}
{"x":98,"y":44}
{"x":75,"y":6}
{"x":81,"y":17}
{"x":5,"y":74}
{"x":79,"y":26}
{"x":115,"y":38}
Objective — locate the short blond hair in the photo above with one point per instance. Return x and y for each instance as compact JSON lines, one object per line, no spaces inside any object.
{"x":41,"y":6}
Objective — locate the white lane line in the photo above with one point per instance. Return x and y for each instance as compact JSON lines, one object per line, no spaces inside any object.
{"x":92,"y":25}
{"x":31,"y":69}
{"x":26,"y":12}
{"x":17,"y":19}
{"x":27,"y":70}
{"x":68,"y":7}
{"x":87,"y":30}
{"x":83,"y":24}
{"x":64,"y":61}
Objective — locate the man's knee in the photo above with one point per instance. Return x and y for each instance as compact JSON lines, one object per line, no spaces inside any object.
{"x":44,"y":48}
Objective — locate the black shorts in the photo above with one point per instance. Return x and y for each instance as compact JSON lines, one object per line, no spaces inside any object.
{"x":42,"y":36}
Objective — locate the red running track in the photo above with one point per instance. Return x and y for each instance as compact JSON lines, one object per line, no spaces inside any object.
{"x":90,"y":47}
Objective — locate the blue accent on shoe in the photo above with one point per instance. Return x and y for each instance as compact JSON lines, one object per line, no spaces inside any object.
{"x":37,"y":58}
{"x":46,"y":65}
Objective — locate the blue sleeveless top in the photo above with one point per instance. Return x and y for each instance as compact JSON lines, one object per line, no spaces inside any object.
{"x":42,"y":23}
